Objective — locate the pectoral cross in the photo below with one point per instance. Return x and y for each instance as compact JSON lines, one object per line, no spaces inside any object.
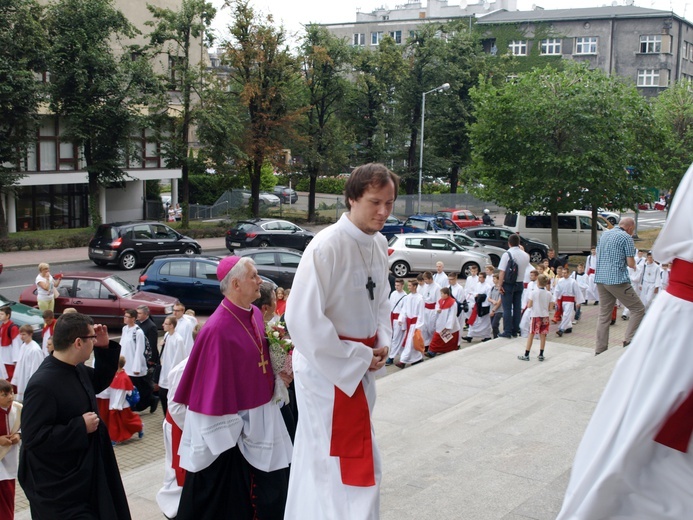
{"x":263,"y":363}
{"x":370,"y":286}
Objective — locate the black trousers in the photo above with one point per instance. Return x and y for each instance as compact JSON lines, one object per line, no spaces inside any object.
{"x":146,"y":389}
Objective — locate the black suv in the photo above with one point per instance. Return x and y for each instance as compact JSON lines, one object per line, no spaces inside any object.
{"x":130,"y":243}
{"x":286,"y":194}
{"x":498,"y":236}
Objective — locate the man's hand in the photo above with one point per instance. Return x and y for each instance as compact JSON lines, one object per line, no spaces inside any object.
{"x":5,"y":440}
{"x":91,"y":420}
{"x":379,"y":358}
{"x":15,"y":438}
{"x":101,"y":332}
{"x":287,"y":378}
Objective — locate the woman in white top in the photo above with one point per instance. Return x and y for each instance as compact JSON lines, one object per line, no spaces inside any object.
{"x":45,"y":285}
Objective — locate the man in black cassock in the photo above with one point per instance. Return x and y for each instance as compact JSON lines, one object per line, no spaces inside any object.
{"x":67,"y":467}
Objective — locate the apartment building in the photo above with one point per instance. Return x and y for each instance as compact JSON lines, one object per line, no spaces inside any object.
{"x":54,"y":192}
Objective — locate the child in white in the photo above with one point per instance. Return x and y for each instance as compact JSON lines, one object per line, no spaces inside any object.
{"x":30,"y":358}
{"x":580,"y":276}
{"x":481,"y":328}
{"x":470,"y":290}
{"x":439,"y":276}
{"x":457,"y":292}
{"x":410,"y":317}
{"x":396,"y":302}
{"x":430,"y":292}
{"x":10,"y":437}
{"x":590,"y":267}
{"x":172,"y":353}
{"x":526,"y":320}
{"x":570,"y":295}
{"x":446,"y":337}
{"x":650,"y":280}
{"x":635,"y":278}
{"x":539,"y":306}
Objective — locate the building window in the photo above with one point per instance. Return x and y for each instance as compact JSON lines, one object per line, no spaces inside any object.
{"x":396,"y":35}
{"x":551,"y":46}
{"x":586,"y":45}
{"x":359,"y":39}
{"x":376,"y":37}
{"x":651,"y":44}
{"x":174,"y":72}
{"x":518,"y":47}
{"x":648,"y":78}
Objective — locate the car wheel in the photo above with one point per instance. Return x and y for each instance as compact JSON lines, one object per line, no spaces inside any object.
{"x":612,"y":220}
{"x":494,"y":260}
{"x":467,"y":269}
{"x":127,"y":261}
{"x":536,"y":256}
{"x":264,"y":243}
{"x":190,"y":251}
{"x":100,"y":263}
{"x":400,"y":269}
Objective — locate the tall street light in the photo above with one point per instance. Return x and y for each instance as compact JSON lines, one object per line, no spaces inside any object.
{"x":443,"y":87}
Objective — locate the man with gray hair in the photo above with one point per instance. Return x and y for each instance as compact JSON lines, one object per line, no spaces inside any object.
{"x":615,"y":254}
{"x":235,"y":446}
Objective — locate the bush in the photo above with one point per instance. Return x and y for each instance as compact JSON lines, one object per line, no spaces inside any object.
{"x":331,"y":185}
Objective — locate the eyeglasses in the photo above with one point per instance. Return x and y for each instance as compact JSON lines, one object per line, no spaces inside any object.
{"x":93,"y":338}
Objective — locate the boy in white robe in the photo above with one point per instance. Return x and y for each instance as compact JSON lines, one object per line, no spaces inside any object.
{"x":446,"y":337}
{"x":526,"y":320}
{"x":430,"y":292}
{"x":570,"y":296}
{"x":480,"y":325}
{"x":172,"y":353}
{"x":650,"y":280}
{"x":30,"y":358}
{"x":396,"y":301}
{"x":410,"y":319}
{"x":470,"y":291}
{"x":580,"y":276}
{"x":439,"y":276}
{"x":10,"y":437}
{"x":590,"y":269}
{"x":457,"y":292}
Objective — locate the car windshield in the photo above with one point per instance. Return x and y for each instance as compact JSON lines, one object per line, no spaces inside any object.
{"x":464,"y":240}
{"x":418,"y":224}
{"x":119,"y":286}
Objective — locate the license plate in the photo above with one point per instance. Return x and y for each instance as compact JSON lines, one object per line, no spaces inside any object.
{"x":97,"y":251}
{"x":236,"y":244}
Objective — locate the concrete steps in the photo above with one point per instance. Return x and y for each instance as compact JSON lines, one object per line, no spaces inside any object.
{"x":477,"y":434}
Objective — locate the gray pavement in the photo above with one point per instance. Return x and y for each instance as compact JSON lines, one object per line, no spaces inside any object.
{"x":474,"y":434}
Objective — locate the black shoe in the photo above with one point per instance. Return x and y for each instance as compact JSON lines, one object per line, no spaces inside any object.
{"x":504,"y":335}
{"x":430,"y":354}
{"x":154,"y":405}
{"x":568,"y":331}
{"x":389,"y":361}
{"x":625,"y":318}
{"x":402,"y":365}
{"x":486,"y":339}
{"x":585,"y":302}
{"x":613,"y":322}
{"x":417,"y":362}
{"x":596,"y":303}
{"x":626,"y":343}
{"x":467,"y":339}
{"x":559,"y":332}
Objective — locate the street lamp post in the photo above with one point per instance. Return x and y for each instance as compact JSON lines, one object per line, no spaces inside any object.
{"x":443,"y":87}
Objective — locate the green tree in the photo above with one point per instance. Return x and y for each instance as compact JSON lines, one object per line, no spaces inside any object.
{"x":265,"y":77}
{"x":673,"y":112}
{"x":98,"y":85}
{"x":325,"y":60}
{"x":177,"y":34}
{"x":377,"y":77}
{"x":554,"y":141}
{"x":22,"y":55}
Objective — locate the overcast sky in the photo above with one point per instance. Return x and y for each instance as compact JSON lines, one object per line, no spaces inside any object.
{"x":293,"y":14}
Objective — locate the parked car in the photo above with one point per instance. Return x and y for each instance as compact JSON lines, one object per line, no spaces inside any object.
{"x":286,"y":194}
{"x":498,"y":236}
{"x":417,"y":224}
{"x":413,"y":252}
{"x":104,"y":297}
{"x":265,"y":232}
{"x":611,"y":217}
{"x":462,"y":217}
{"x":190,"y":279}
{"x":25,"y":315}
{"x":468,"y":243}
{"x":266,"y":199}
{"x":128,"y":244}
{"x":279,"y":264}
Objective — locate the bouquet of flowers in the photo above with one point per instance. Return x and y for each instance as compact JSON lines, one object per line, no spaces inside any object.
{"x":281,"y":348}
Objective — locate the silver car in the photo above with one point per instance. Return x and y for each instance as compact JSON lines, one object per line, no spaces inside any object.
{"x":468,"y":243}
{"x":419,"y":252}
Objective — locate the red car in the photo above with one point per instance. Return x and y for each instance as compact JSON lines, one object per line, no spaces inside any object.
{"x":462,"y":217}
{"x":104,"y":297}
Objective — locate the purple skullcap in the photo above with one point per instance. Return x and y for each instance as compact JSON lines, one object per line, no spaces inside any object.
{"x":226,"y":265}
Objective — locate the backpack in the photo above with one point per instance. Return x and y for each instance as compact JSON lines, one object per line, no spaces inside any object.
{"x":511,"y":270}
{"x":134,"y":397}
{"x":147,"y":346}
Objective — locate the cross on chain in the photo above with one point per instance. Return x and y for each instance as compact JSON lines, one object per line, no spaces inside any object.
{"x":263,"y":364}
{"x":370,"y":286}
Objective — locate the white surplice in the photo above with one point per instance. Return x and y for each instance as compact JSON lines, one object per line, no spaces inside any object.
{"x":396,"y":306}
{"x":430,"y":293}
{"x":30,"y":358}
{"x":619,"y":470}
{"x":329,"y":299}
{"x":413,"y":308}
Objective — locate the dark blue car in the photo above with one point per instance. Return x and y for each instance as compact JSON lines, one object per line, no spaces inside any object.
{"x":417,"y":224}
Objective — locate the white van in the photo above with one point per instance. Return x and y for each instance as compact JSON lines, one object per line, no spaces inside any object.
{"x":574,"y":229}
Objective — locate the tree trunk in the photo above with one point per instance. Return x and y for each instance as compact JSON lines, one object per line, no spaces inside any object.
{"x":255,"y":183}
{"x":593,"y":239}
{"x":454,"y":178}
{"x":3,"y":221}
{"x":311,"y":195}
{"x":94,"y":213}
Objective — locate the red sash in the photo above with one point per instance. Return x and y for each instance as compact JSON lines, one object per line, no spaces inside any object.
{"x":394,"y":316}
{"x":410,"y":322}
{"x":472,"y":316}
{"x":430,"y":306}
{"x":558,"y":315}
{"x":567,"y":299}
{"x":525,"y":284}
{"x":176,"y":436}
{"x":590,"y":271}
{"x":677,"y":430}
{"x":351,"y":432}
